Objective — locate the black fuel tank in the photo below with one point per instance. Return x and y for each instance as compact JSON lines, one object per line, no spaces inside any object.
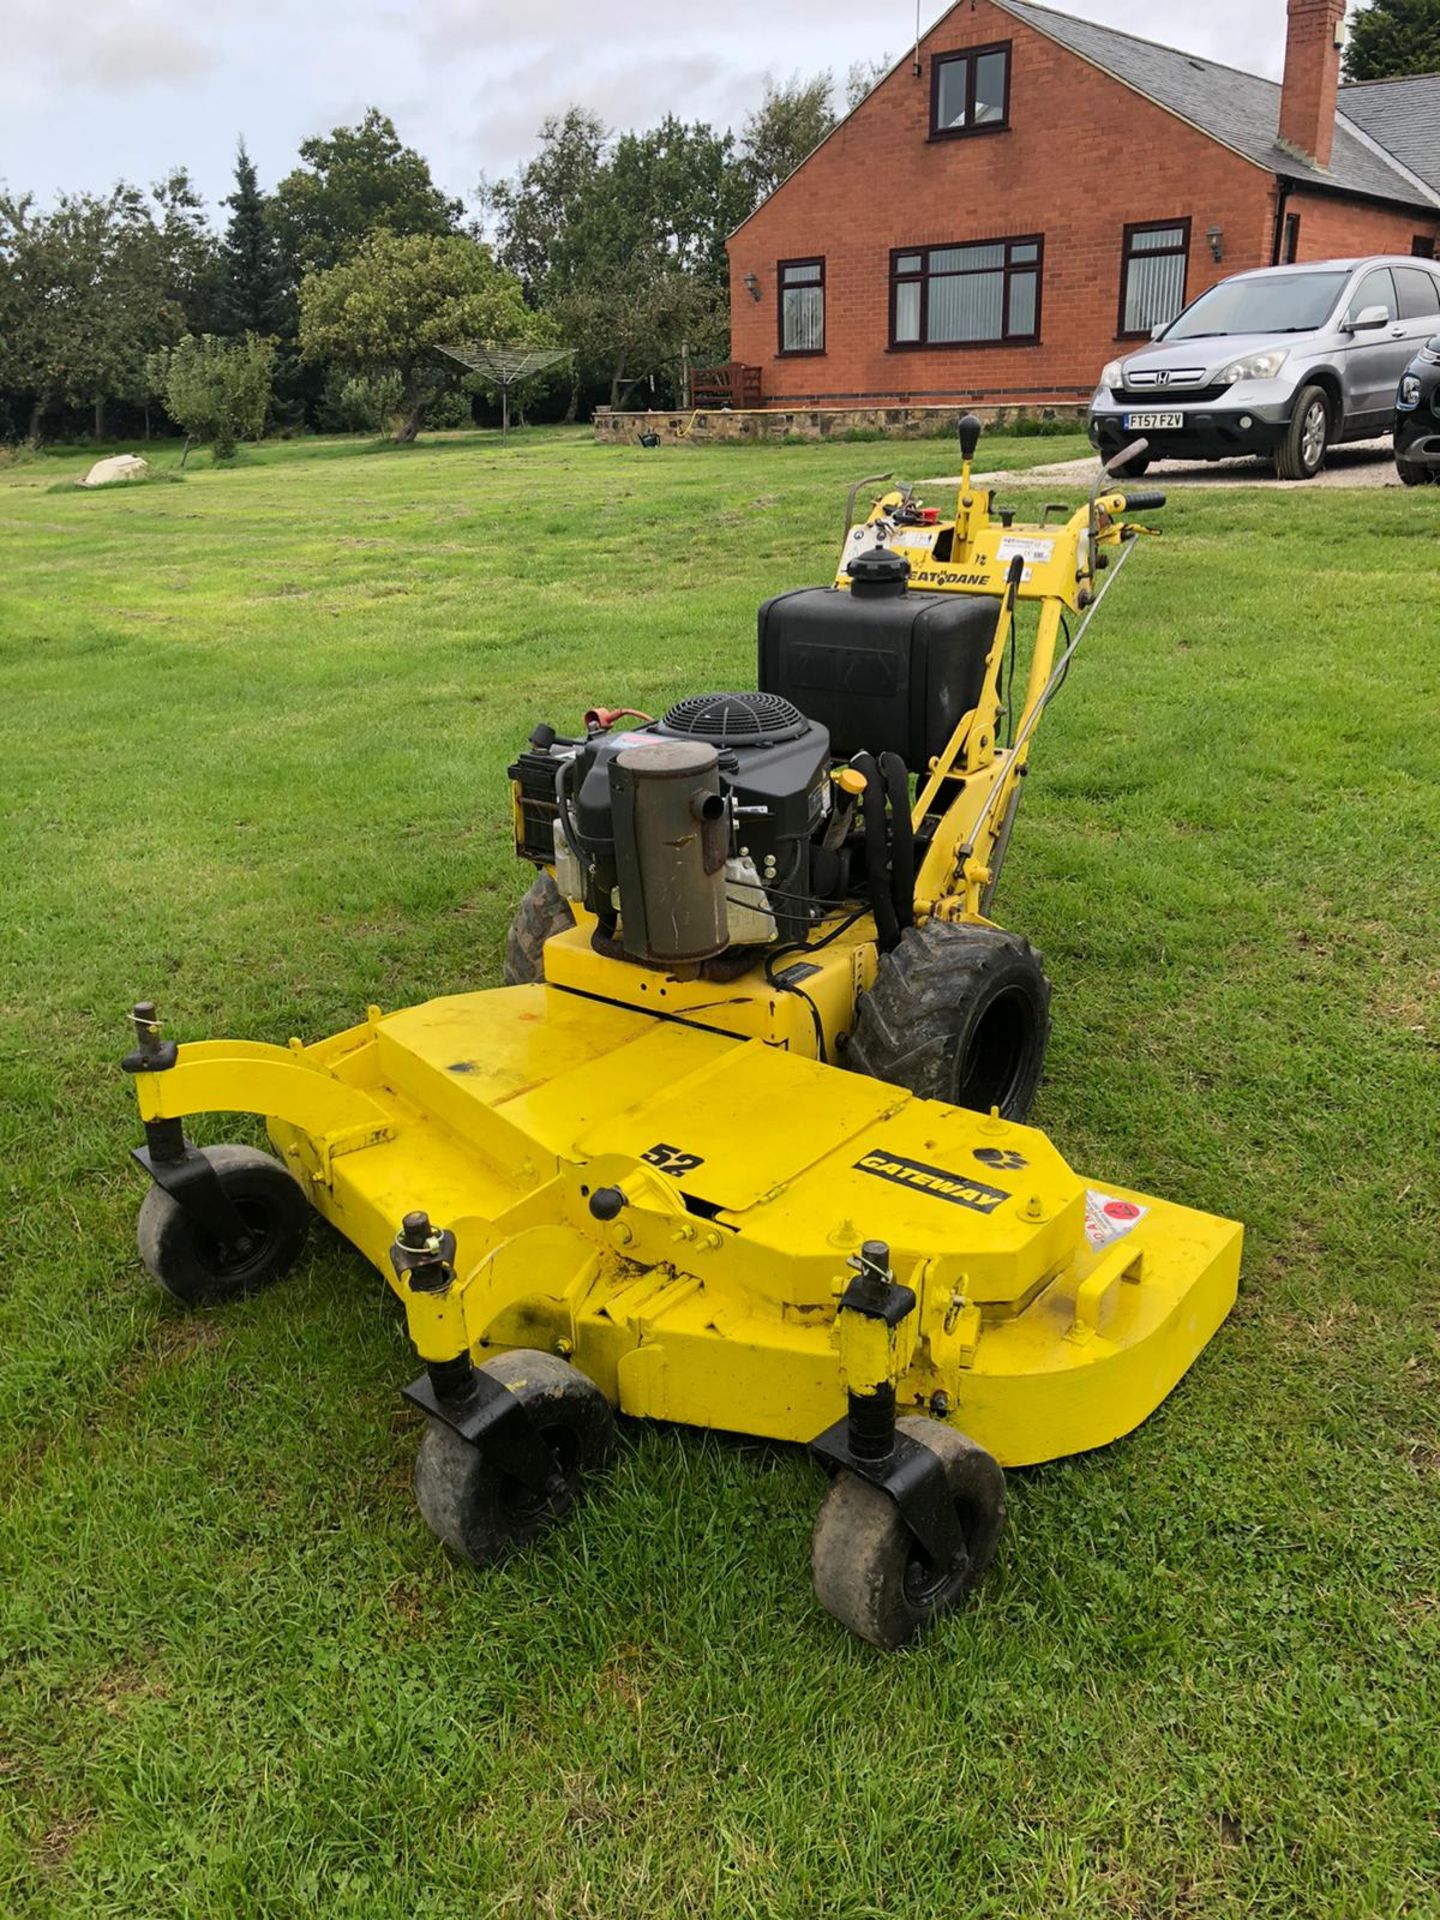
{"x":885,"y":669}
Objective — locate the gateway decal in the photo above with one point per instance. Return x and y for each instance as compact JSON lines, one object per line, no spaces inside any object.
{"x":958,"y":1188}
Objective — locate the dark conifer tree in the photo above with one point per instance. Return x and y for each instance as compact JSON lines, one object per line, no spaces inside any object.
{"x":1391,"y":39}
{"x":257,"y":294}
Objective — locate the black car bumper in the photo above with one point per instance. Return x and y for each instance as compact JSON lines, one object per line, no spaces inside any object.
{"x":1208,"y":434}
{"x":1417,"y":422}
{"x":1417,"y":439}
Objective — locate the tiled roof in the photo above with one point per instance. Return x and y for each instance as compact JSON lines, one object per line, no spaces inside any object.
{"x":1243,"y":111}
{"x":1404,"y":116}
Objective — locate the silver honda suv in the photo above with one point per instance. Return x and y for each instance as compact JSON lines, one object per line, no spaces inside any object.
{"x":1281,"y":363}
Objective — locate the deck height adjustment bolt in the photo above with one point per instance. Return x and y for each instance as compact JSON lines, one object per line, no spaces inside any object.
{"x":423,"y":1254}
{"x":150,"y":1053}
{"x":874,"y":1280}
{"x":873,"y":1295}
{"x":147,"y":1028}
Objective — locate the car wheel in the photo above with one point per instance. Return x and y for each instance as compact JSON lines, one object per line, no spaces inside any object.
{"x":1132,"y":469}
{"x":1301,"y":454}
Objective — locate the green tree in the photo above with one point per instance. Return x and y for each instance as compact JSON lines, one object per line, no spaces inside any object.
{"x":534,"y":209}
{"x":533,"y":213}
{"x":638,"y":319}
{"x":186,"y":255}
{"x":351,"y":182}
{"x":638,"y":271}
{"x":788,"y":125}
{"x":1392,"y":38}
{"x":863,"y":77}
{"x":90,"y":288}
{"x":401,"y":296}
{"x":254,"y":295}
{"x":217,"y":390}
{"x":673,"y":195}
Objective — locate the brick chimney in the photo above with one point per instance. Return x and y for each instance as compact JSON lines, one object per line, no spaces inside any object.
{"x":1310,"y":90}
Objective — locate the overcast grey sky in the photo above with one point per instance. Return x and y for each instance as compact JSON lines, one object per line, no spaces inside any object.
{"x":94,"y":89}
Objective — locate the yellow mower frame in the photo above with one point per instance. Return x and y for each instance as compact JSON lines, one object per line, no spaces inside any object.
{"x":660,"y":1182}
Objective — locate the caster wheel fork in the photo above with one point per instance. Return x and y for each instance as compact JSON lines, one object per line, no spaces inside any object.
{"x":910,"y":1524}
{"x":872,"y":1572}
{"x":508,"y":1446}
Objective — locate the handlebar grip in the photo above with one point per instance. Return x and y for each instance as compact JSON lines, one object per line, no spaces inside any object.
{"x":1144,"y":502}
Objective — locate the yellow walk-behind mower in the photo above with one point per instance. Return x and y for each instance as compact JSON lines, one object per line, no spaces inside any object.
{"x":742,"y":1144}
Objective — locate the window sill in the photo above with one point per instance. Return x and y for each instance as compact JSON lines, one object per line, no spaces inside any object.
{"x":800,"y":353}
{"x":968,"y":133}
{"x":962,"y":346}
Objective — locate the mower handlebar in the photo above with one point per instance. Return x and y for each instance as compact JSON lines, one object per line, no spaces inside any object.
{"x":1144,"y":502}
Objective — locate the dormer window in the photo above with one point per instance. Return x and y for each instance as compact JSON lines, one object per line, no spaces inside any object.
{"x":970,"y":92}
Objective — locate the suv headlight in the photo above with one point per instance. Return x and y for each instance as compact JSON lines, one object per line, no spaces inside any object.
{"x":1409,"y":391}
{"x":1431,"y":354}
{"x":1255,"y":366}
{"x":1114,"y":374}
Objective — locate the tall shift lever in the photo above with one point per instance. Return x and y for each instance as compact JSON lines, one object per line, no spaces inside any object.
{"x":970,"y":432}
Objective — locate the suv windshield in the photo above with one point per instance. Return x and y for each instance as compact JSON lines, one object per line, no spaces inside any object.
{"x":1278,"y":303}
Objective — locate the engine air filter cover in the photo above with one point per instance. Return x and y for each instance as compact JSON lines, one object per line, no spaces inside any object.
{"x":737,"y":719}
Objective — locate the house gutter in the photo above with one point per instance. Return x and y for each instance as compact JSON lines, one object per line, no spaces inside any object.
{"x":1424,"y":203}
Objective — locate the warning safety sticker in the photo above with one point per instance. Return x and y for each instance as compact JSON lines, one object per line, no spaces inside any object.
{"x":1108,"y":1219}
{"x":1035,"y":553}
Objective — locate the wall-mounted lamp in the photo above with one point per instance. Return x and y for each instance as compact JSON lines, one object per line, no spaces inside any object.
{"x":1216,"y":237}
{"x":753,"y":285}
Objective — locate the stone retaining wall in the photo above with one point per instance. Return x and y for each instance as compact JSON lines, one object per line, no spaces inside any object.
{"x":816,"y":423}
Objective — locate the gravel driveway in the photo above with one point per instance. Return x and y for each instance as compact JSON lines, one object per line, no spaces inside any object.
{"x":1370,"y":463}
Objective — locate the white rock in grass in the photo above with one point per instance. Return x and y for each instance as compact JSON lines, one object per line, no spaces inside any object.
{"x":120,"y":466}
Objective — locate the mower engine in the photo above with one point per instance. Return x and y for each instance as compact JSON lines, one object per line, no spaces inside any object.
{"x":703,"y":831}
{"x":721,"y":827}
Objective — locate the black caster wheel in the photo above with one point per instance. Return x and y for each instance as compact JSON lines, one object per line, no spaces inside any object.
{"x":483,"y":1513}
{"x":870,"y":1571}
{"x":191,"y":1265}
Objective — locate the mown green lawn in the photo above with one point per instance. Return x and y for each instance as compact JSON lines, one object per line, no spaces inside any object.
{"x":255,"y":730}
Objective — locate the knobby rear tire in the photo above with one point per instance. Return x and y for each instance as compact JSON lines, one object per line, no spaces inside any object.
{"x":543,"y":913}
{"x":959,"y":1014}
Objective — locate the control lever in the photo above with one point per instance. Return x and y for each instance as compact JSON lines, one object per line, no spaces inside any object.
{"x":1135,"y":451}
{"x":873,"y":480}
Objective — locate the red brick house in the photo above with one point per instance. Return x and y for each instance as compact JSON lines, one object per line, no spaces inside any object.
{"x":1027,"y":189}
